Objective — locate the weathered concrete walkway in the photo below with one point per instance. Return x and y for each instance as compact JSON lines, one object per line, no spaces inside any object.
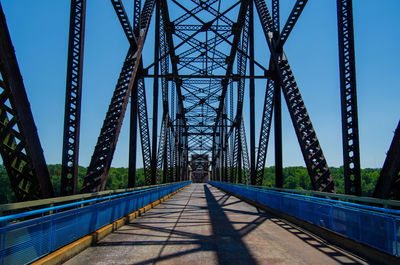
{"x":202,"y":225}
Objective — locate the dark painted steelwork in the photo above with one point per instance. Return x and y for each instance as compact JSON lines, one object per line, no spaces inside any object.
{"x":388,"y":185}
{"x":194,"y":56}
{"x":265,"y":131}
{"x":237,"y":28}
{"x":144,"y":131}
{"x":252,"y":101}
{"x":134,"y":108}
{"x":278,"y":135}
{"x":164,"y":166}
{"x":316,"y":164}
{"x":351,"y":149}
{"x":100,"y":163}
{"x":20,"y":146}
{"x":133,"y":138}
{"x":277,"y":105}
{"x":72,"y":118}
{"x":155,"y":94}
{"x":236,"y":159}
{"x":236,"y":123}
{"x":162,"y":149}
{"x":290,"y":23}
{"x":123,"y":19}
{"x":245,"y":154}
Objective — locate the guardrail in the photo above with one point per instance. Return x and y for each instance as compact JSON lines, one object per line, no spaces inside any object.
{"x":11,"y":208}
{"x":51,"y":228}
{"x":373,"y":226}
{"x":391,"y":204}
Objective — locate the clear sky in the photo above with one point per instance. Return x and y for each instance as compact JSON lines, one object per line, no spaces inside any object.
{"x":39,"y":31}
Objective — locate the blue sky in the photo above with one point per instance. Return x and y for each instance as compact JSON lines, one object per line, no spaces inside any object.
{"x":39,"y":31}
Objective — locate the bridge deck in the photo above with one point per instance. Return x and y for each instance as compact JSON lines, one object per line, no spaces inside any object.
{"x":202,"y":225}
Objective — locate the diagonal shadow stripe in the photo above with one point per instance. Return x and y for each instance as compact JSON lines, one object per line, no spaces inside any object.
{"x":230,"y":247}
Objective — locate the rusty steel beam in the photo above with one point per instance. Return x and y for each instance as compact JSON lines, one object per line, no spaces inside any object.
{"x":19,"y":141}
{"x":134,"y":108}
{"x":123,"y":19}
{"x":348,"y":96}
{"x":314,"y":158}
{"x":72,"y":117}
{"x":100,"y":163}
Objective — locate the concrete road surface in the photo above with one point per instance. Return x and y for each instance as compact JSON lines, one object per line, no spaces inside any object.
{"x":202,"y":225}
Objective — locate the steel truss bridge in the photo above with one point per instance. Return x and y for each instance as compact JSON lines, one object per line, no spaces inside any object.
{"x":203,"y":62}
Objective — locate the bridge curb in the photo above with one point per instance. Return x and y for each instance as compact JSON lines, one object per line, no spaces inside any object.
{"x":65,"y":253}
{"x":364,"y":251}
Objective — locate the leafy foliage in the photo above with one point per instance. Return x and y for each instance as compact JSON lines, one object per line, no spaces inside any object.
{"x":6,"y":192}
{"x":297,"y":178}
{"x":294,"y":178}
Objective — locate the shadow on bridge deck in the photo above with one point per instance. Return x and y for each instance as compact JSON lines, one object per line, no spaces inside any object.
{"x":202,"y":225}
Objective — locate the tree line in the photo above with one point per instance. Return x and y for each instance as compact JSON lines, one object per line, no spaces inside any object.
{"x":294,"y":178}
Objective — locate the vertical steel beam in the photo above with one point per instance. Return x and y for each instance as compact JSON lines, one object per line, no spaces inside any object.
{"x":155,"y":93}
{"x":162,"y":146}
{"x":134,"y":109}
{"x":278,"y":136}
{"x":72,"y":115}
{"x":19,"y":141}
{"x":314,"y":158}
{"x":245,"y":153}
{"x":351,"y":150}
{"x":133,"y":138}
{"x":277,"y":106}
{"x":239,"y":159}
{"x":252,"y":102}
{"x":165,"y":153}
{"x":231,"y":154}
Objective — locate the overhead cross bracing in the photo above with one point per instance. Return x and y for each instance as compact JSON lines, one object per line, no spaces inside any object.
{"x":202,"y":50}
{"x":203,"y":37}
{"x":189,"y":95}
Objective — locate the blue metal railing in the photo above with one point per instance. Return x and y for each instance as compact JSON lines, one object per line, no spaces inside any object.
{"x":51,"y":228}
{"x":373,"y":226}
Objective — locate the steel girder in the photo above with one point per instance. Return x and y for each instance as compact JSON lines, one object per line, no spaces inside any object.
{"x":237,"y":33}
{"x":351,"y":149}
{"x":191,"y":54}
{"x":234,"y":178}
{"x":168,"y":53}
{"x":134,"y":108}
{"x":162,"y":147}
{"x":133,"y":138}
{"x":155,"y":94}
{"x":252,"y":100}
{"x":265,"y":131}
{"x":388,"y":185}
{"x":144,"y":130}
{"x":236,"y":121}
{"x":123,"y":19}
{"x":20,"y":146}
{"x":294,"y":15}
{"x":70,"y":152}
{"x":138,"y":102}
{"x":164,"y":154}
{"x":277,"y":108}
{"x":100,"y":163}
{"x":245,"y":154}
{"x":316,"y":164}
